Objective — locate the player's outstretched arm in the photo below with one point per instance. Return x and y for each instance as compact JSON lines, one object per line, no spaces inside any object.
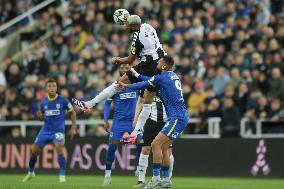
{"x":73,"y":130}
{"x":125,"y":60}
{"x":139,"y":76}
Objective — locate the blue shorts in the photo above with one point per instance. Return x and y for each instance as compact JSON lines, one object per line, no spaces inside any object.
{"x":45,"y":137}
{"x":174,"y":126}
{"x":118,"y":128}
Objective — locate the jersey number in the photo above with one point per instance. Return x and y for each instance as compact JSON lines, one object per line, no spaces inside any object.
{"x":178,"y":86}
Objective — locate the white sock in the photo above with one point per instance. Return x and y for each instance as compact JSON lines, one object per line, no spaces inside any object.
{"x":156,"y":178}
{"x":142,"y":167}
{"x":107,"y":173}
{"x":103,"y":95}
{"x":171,"y":166}
{"x":143,"y":116}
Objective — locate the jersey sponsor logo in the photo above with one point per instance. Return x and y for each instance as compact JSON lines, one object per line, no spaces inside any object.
{"x":58,"y":106}
{"x":127,"y":95}
{"x":51,"y":112}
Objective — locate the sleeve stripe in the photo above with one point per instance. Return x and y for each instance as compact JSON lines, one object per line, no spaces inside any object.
{"x":151,"y":83}
{"x":70,"y":110}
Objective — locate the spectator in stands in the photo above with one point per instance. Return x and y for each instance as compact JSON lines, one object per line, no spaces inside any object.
{"x":275,"y":115}
{"x":213,"y":110}
{"x":276,"y":84}
{"x":59,"y":50}
{"x":197,"y":98}
{"x":263,"y":14}
{"x":40,"y":65}
{"x":220,"y":82}
{"x":236,"y":79}
{"x":230,"y":124}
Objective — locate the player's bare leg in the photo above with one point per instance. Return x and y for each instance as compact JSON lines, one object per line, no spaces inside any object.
{"x":36,"y":150}
{"x":157,"y":150}
{"x":59,"y":146}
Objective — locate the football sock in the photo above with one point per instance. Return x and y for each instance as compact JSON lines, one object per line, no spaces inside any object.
{"x":32,"y":163}
{"x":142,"y":167}
{"x":165,"y":172}
{"x":156,"y":171}
{"x":143,"y":116}
{"x":110,"y":158}
{"x":138,"y":152}
{"x":171,"y":166}
{"x":62,"y":164}
{"x":103,"y":95}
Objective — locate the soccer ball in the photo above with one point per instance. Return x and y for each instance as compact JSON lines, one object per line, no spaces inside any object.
{"x":120,"y":16}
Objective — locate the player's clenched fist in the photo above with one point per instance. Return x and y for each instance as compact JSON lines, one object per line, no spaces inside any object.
{"x":115,"y":60}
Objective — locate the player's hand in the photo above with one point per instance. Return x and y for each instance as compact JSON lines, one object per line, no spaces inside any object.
{"x":120,"y":86}
{"x":73,"y":132}
{"x":115,"y":60}
{"x":106,"y":126}
{"x":39,"y":115}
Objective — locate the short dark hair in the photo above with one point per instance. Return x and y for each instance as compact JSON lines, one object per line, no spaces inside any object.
{"x":51,"y":81}
{"x":168,"y":60}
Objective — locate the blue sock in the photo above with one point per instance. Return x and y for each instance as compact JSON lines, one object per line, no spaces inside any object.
{"x":138,"y":152}
{"x":62,"y":164}
{"x":156,"y":169}
{"x":165,"y":171}
{"x":110,"y":156}
{"x":32,"y":164}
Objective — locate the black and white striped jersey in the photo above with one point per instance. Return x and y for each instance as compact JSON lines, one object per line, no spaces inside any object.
{"x":158,"y":112}
{"x":146,"y":45}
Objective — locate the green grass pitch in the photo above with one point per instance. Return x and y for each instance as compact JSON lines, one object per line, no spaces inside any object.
{"x":123,"y":182}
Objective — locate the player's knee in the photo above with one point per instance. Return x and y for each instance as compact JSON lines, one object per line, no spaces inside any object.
{"x":155,"y":146}
{"x":146,"y":150}
{"x":35,"y":151}
{"x":59,"y":149}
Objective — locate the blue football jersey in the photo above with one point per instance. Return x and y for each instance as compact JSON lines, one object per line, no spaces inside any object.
{"x":54,"y":113}
{"x":124,"y":104}
{"x":170,"y":92}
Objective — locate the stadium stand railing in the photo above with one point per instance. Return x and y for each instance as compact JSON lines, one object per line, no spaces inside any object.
{"x":254,"y":129}
{"x":213,"y":127}
{"x":26,"y":14}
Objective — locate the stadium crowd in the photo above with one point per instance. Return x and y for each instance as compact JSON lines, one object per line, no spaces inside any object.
{"x":229,"y":55}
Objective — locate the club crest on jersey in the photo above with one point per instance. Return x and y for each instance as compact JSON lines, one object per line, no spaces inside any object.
{"x":58,"y":106}
{"x":45,"y":107}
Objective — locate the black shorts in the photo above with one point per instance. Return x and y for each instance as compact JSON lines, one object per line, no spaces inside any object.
{"x":148,"y":68}
{"x":151,"y":130}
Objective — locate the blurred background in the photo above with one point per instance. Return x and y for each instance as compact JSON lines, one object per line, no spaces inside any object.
{"x":228,"y":53}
